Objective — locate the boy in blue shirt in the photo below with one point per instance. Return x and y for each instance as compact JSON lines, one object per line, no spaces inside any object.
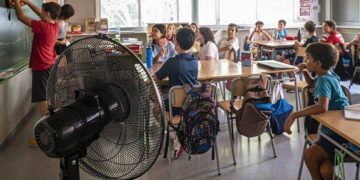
{"x":280,"y":33}
{"x":181,"y":69}
{"x":328,"y":96}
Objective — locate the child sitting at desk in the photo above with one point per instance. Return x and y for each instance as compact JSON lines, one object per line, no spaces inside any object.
{"x":280,"y":33}
{"x":230,"y":44}
{"x":328,"y":96}
{"x":330,"y":34}
{"x":181,"y":69}
{"x":257,"y":35}
{"x":162,"y":49}
{"x":208,"y":50}
{"x":43,"y":54}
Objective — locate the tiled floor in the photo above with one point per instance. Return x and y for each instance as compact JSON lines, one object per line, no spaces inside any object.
{"x":254,"y":158}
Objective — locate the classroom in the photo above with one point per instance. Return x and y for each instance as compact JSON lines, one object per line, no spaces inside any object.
{"x":179,"y":89}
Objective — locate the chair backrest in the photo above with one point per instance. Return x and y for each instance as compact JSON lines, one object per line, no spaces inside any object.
{"x":239,"y":89}
{"x":300,"y":52}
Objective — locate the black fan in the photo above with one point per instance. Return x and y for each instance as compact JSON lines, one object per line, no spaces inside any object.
{"x":101,"y":100}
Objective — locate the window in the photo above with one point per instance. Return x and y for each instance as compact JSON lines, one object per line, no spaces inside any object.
{"x":270,"y":12}
{"x":120,"y":13}
{"x":237,"y":11}
{"x":185,"y":11}
{"x":207,"y":12}
{"x":163,"y":11}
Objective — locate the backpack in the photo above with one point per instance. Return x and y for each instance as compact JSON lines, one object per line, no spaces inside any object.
{"x":252,"y":118}
{"x":199,"y":125}
{"x":344,"y":66}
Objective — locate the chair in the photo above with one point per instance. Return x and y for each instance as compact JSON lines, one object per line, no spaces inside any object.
{"x":312,"y":138}
{"x":230,"y":107}
{"x":177,"y":96}
{"x":356,"y":63}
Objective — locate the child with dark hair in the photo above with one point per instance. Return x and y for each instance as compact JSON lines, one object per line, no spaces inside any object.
{"x":66,"y":12}
{"x":257,"y":35}
{"x":230,"y":44}
{"x":310,"y":27}
{"x":162,"y":49}
{"x":330,"y":34}
{"x":181,"y":69}
{"x":280,"y":33}
{"x":42,"y":55}
{"x":208,"y":50}
{"x":328,"y":95}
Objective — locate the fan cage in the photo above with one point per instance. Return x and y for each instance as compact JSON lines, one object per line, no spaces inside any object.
{"x":124,"y":150}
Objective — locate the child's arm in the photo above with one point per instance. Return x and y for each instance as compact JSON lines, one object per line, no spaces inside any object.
{"x":160,"y":54}
{"x":308,"y":78}
{"x":20,"y":14}
{"x":320,"y":107}
{"x":251,"y":36}
{"x":267,"y":35}
{"x":35,"y":8}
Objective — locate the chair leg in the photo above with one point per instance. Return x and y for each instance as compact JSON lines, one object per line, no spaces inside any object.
{"x":302,"y":160}
{"x":357,"y":171}
{"x":217,"y":159}
{"x":259,"y":138}
{"x":272,"y":139}
{"x":167,"y":141}
{"x":231,"y":126}
{"x":231,"y":137}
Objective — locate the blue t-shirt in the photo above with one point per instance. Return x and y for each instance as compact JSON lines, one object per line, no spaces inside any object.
{"x":328,"y":85}
{"x":280,"y":34}
{"x":170,"y":51}
{"x":181,"y":69}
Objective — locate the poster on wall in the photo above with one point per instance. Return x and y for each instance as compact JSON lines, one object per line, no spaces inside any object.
{"x":305,"y":3}
{"x":305,"y":8}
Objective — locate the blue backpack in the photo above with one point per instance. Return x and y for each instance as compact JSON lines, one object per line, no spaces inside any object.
{"x":199,"y":125}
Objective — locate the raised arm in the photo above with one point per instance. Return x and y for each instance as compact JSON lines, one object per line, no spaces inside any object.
{"x":267,"y":35}
{"x":251,"y":35}
{"x":20,"y":14}
{"x":35,"y":8}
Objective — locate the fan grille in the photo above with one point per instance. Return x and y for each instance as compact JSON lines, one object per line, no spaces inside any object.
{"x":125,"y":149}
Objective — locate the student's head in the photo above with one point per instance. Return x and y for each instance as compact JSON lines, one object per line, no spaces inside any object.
{"x":310,"y":26}
{"x":259,"y":25}
{"x":281,"y":24}
{"x":50,"y":10}
{"x":184,"y":40}
{"x":321,"y":56}
{"x":194,"y":27}
{"x":232,"y":29}
{"x":170,"y":29}
{"x":186,"y":26}
{"x":205,"y":35}
{"x":66,"y":12}
{"x":158,"y":31}
{"x":329,"y":26}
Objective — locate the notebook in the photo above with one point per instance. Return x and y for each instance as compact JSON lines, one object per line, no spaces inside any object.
{"x":272,"y":64}
{"x":352,"y":112}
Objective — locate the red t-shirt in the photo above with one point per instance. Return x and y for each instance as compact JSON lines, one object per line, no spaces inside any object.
{"x":335,"y":38}
{"x":43,"y":54}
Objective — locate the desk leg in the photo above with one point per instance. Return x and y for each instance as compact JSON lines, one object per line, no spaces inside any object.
{"x":297,"y":101}
{"x":260,"y":53}
{"x":273,"y":54}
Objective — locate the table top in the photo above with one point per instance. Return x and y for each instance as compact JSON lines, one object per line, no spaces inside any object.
{"x":223,"y":69}
{"x":275,"y":44}
{"x":335,"y":120}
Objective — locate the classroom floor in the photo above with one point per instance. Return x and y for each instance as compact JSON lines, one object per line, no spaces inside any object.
{"x":255,"y":159}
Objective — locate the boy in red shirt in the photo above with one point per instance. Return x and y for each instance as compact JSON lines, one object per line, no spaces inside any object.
{"x":42,"y":52}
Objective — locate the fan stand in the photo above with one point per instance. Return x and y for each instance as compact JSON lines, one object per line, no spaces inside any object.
{"x":69,"y":167}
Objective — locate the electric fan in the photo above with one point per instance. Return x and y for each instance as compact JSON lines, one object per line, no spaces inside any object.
{"x":101,"y":100}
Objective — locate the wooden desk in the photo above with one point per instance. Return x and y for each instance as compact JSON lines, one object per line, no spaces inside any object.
{"x":223,"y":69}
{"x":348,"y":129}
{"x":273,"y":46}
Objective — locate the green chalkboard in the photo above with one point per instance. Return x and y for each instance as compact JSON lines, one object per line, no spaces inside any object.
{"x":15,"y":38}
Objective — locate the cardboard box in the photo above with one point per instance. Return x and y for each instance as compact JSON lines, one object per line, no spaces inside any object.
{"x":90,"y":25}
{"x":103,"y":24}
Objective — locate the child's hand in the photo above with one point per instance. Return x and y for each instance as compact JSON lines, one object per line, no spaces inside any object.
{"x":162,"y":52}
{"x":301,"y":66}
{"x":289,"y":122}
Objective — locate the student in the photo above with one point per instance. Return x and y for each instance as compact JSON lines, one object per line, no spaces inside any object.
{"x":328,"y":95}
{"x":330,"y":34}
{"x":170,"y":32}
{"x":181,"y":69}
{"x":231,"y":43}
{"x":280,"y":33}
{"x":194,"y":27}
{"x":43,"y":54}
{"x":66,"y":12}
{"x":208,"y":50}
{"x":160,"y":53}
{"x":257,"y":35}
{"x":310,"y":27}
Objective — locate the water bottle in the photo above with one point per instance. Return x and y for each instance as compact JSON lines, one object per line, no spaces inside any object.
{"x":149,"y":57}
{"x":299,"y":35}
